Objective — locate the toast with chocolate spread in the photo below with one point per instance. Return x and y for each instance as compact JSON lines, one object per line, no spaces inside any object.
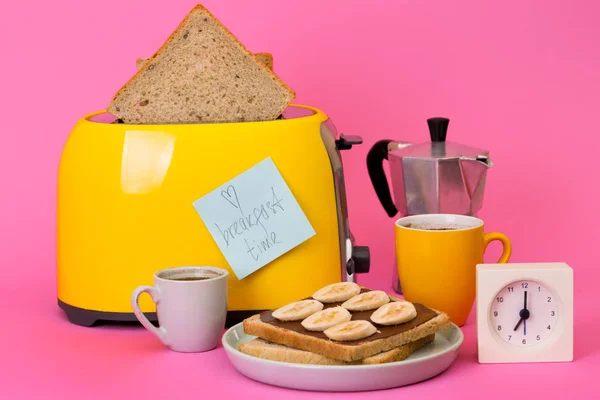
{"x":347,"y":327}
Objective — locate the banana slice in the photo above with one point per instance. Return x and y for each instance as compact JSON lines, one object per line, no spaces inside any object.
{"x":351,"y":330}
{"x":336,"y":292}
{"x":326,"y":318}
{"x":396,"y":312}
{"x":297,"y":310}
{"x":367,"y":301}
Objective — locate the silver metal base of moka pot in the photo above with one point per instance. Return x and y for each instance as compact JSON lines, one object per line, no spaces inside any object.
{"x":396,"y":280}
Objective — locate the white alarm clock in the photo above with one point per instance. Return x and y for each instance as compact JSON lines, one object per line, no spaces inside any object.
{"x":524,"y":312}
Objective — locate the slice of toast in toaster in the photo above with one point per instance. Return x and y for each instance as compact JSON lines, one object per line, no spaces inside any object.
{"x":201,"y":74}
{"x":293,"y":334}
{"x":265,"y":58}
{"x":276,"y":352}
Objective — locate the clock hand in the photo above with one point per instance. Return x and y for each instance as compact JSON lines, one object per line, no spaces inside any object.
{"x":524,"y":314}
{"x":518,"y":324}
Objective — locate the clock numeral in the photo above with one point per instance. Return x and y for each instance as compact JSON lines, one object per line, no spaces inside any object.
{"x":511,"y":289}
{"x":552,"y":313}
{"x":548,"y":327}
{"x":499,"y":327}
{"x":549,"y":299}
{"x":537,"y":337}
{"x":525,"y":285}
{"x":539,"y":289}
{"x":509,"y":336}
{"x":524,"y":341}
{"x":499,"y":299}
{"x":496,"y":313}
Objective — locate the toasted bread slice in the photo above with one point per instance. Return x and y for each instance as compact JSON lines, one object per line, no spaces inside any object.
{"x":342,"y":351}
{"x":265,"y":58}
{"x":202,"y":73}
{"x":276,"y":352}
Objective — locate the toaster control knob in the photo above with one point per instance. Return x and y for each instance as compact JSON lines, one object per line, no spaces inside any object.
{"x":361,"y":259}
{"x":346,"y":142}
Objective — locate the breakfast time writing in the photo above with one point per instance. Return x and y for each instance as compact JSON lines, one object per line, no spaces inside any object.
{"x":244,"y":224}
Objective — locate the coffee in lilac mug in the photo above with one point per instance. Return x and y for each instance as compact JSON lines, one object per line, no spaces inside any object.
{"x":191,"y":305}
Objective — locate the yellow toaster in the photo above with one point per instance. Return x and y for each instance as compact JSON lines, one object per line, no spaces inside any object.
{"x":124,"y":209}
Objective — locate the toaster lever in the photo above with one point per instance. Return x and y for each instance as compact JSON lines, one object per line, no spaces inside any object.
{"x":346,"y":142}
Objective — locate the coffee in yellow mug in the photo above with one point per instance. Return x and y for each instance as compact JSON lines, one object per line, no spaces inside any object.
{"x":436,"y":256}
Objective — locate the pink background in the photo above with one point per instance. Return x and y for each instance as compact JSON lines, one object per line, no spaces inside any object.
{"x":519,"y":78}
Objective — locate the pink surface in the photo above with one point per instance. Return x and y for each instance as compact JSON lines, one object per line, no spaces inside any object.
{"x":517,"y":77}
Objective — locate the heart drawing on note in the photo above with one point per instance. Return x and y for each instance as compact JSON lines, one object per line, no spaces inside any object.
{"x":231,"y":196}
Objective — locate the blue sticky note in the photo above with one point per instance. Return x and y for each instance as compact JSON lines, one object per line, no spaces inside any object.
{"x":254,"y":218}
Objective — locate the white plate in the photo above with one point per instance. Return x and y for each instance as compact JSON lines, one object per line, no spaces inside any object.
{"x":423,"y":364}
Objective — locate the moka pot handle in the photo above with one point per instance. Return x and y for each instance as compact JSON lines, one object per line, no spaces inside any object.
{"x":375,"y":157}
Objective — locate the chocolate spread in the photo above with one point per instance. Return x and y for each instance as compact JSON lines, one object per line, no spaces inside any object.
{"x":424,"y":314}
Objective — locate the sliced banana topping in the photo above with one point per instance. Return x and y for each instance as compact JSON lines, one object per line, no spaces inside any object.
{"x":396,"y":312}
{"x":297,"y":310}
{"x":336,"y":292}
{"x":326,"y":318}
{"x":351,"y":330}
{"x":367,"y":301}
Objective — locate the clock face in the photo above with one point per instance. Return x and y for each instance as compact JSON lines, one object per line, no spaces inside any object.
{"x":524,"y":313}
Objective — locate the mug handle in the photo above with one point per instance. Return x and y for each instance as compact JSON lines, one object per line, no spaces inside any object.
{"x":159,"y":332}
{"x":506,"y":245}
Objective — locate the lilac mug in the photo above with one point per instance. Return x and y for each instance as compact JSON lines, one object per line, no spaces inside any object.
{"x":191,"y":305}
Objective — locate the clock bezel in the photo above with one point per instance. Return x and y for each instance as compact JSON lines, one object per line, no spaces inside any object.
{"x":491,"y":279}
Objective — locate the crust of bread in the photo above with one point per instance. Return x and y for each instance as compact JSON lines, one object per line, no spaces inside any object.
{"x":399,"y":353}
{"x":266,"y":58}
{"x":198,"y":8}
{"x":140,"y":62}
{"x":261,"y":348}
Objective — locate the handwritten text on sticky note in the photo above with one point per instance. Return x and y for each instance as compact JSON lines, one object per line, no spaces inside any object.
{"x":254,"y":218}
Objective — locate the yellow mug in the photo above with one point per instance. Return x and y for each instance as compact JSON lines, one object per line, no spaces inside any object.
{"x":436,"y":256}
